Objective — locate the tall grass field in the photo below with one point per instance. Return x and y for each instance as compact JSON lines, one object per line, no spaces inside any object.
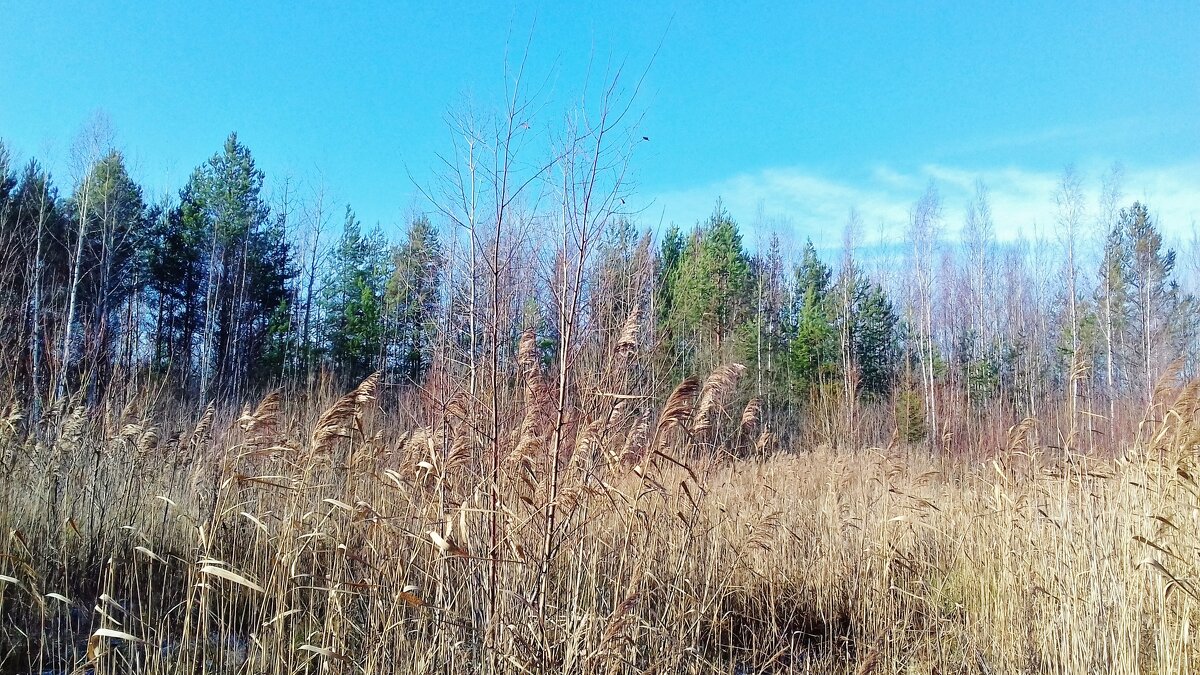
{"x":329,"y":533}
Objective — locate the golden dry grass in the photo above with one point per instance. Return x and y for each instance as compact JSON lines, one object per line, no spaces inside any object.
{"x":293,"y":537}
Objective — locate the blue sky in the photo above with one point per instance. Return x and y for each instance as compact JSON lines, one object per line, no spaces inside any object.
{"x":802,"y":109}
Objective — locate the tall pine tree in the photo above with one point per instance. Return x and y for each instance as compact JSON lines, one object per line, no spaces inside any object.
{"x":712,"y":292}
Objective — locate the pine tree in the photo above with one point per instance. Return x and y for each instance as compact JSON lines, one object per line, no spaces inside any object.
{"x":270,"y":268}
{"x":224,"y":193}
{"x":33,"y":284}
{"x":175,"y":288}
{"x":8,"y":184}
{"x":219,"y":269}
{"x":711,"y":296}
{"x":1112,"y":300}
{"x":113,"y":253}
{"x":14,"y":247}
{"x":1153,"y":295}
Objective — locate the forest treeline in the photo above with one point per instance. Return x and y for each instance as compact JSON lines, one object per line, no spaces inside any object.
{"x":229,"y":288}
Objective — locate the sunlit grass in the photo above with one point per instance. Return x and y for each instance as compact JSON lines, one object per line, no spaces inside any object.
{"x":304,"y":537}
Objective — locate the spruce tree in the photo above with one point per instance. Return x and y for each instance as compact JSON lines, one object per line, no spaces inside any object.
{"x":876,"y":339}
{"x":813,"y":350}
{"x":353,"y":300}
{"x":414,"y":300}
{"x":670,"y":257}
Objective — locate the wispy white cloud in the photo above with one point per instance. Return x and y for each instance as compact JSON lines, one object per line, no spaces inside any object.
{"x":1077,"y":139}
{"x":802,"y":203}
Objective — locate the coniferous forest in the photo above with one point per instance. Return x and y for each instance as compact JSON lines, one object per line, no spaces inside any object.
{"x":531,"y":429}
{"x":235,"y":286}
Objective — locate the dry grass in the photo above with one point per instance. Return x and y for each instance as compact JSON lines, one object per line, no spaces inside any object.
{"x":298,"y":537}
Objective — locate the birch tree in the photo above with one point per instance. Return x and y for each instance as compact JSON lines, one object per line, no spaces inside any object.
{"x":979,"y":241}
{"x":1068,"y":199}
{"x":925,"y":221}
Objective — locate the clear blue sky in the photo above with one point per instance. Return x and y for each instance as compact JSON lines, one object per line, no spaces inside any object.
{"x":808,"y":108}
